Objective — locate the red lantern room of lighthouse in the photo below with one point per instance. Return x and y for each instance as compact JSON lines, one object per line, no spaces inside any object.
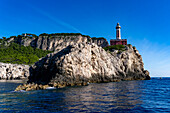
{"x":118,"y":40}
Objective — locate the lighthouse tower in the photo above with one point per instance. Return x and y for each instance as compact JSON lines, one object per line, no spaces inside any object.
{"x":118,"y":34}
{"x":118,"y":40}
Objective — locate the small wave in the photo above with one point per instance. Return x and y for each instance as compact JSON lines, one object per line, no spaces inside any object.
{"x":18,"y":91}
{"x":50,"y":88}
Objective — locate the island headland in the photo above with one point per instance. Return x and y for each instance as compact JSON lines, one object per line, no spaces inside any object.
{"x":76,"y":59}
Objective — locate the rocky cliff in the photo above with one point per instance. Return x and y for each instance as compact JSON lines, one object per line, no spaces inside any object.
{"x":83,"y":63}
{"x":13,"y":71}
{"x":56,"y":42}
{"x":52,"y":42}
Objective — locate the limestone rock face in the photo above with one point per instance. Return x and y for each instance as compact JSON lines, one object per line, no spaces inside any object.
{"x":102,"y":42}
{"x":80,"y":63}
{"x":51,"y":43}
{"x":13,"y":71}
{"x":57,"y":42}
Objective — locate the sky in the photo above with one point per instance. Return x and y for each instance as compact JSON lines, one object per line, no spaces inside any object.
{"x":145,"y":23}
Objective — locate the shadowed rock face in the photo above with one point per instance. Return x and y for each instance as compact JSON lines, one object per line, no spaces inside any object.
{"x":81,"y":63}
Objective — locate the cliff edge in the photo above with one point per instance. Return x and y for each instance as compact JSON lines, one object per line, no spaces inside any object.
{"x":55,"y":42}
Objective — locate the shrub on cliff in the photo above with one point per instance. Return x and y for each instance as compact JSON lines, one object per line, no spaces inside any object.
{"x":100,"y":38}
{"x":19,"y":54}
{"x":114,"y":47}
{"x":60,"y":34}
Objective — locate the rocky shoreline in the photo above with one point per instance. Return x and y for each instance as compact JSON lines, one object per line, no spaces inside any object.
{"x":85,"y":63}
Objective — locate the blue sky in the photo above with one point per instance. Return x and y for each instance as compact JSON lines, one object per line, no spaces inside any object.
{"x":145,"y":23}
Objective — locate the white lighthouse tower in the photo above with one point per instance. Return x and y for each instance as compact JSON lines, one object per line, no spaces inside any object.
{"x":118,"y":40}
{"x":118,"y":34}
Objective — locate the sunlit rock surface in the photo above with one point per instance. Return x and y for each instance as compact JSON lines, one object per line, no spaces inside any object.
{"x":13,"y":71}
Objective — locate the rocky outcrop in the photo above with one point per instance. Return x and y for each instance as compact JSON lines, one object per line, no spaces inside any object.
{"x":85,"y":63}
{"x":28,"y":87}
{"x":102,"y":42}
{"x":13,"y":71}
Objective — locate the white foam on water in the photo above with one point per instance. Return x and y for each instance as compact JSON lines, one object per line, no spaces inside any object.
{"x":19,"y":91}
{"x":50,"y":88}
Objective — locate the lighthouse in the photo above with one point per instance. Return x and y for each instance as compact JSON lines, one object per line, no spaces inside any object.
{"x":118,"y":40}
{"x":118,"y":34}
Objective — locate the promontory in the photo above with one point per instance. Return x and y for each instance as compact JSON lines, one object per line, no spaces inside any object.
{"x":76,"y":59}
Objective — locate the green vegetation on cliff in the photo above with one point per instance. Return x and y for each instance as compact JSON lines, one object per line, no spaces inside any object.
{"x":18,"y":54}
{"x":60,"y":34}
{"x":100,"y":38}
{"x":120,"y":48}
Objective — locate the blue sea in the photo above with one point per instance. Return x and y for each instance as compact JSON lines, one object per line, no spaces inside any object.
{"x":152,"y":96}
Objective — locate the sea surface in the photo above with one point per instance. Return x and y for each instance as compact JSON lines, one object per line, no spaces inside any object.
{"x":126,"y":96}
